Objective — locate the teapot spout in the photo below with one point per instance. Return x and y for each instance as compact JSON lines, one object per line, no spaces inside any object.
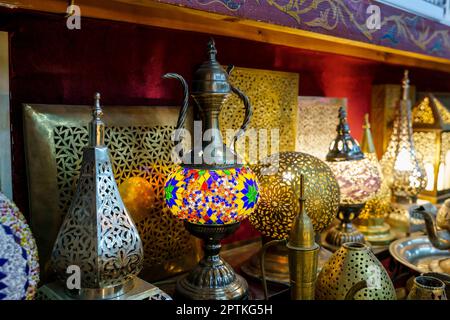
{"x":439,"y":240}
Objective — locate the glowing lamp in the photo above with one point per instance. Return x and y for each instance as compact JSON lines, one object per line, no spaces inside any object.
{"x":431,"y":126}
{"x":211,"y":191}
{"x":358,"y":179}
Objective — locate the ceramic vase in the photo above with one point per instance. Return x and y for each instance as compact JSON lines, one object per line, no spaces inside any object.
{"x":353,"y":272}
{"x":19,"y":267}
{"x":427,"y":288}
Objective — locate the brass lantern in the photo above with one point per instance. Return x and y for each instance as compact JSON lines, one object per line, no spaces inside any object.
{"x":431,"y":126}
{"x":371,"y":221}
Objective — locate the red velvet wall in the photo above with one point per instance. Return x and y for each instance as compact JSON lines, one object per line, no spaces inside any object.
{"x":51,"y":64}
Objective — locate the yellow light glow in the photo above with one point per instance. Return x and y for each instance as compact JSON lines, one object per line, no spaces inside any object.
{"x":403,"y":161}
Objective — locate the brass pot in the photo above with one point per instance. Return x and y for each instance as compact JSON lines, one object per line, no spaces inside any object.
{"x":427,"y":288}
{"x":353,"y":272}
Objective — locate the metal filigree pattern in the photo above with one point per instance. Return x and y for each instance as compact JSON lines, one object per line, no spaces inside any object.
{"x":135,"y":152}
{"x":401,"y":167}
{"x":423,"y":112}
{"x":425,"y":147}
{"x":315,"y":113}
{"x":107,"y":256}
{"x":273,"y":96}
{"x":352,"y":264}
{"x":279,"y":193}
{"x":379,"y":205}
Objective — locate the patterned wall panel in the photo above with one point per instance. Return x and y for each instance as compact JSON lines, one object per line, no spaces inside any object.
{"x":316,"y":126}
{"x":273,"y":96}
{"x":140,"y":146}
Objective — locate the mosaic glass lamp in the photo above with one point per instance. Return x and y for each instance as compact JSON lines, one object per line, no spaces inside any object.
{"x":358,"y":179}
{"x":431,"y":133}
{"x":371,"y":221}
{"x":211,"y":191}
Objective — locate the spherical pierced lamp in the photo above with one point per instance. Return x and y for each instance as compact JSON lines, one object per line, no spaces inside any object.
{"x":279,"y":178}
{"x":358,"y":178}
{"x":211,"y":191}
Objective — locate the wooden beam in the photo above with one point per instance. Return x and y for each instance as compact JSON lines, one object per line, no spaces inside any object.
{"x":152,"y":13}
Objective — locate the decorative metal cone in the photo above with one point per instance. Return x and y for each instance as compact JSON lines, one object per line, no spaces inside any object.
{"x":371,"y":220}
{"x":98,"y":235}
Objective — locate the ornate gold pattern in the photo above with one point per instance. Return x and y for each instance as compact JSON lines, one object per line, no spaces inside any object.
{"x":353,"y":272}
{"x":379,"y":205}
{"x":314,"y":112}
{"x":445,"y":147}
{"x":279,"y":193}
{"x":139,"y":142}
{"x":425,"y":146}
{"x":273,"y":96}
{"x":135,"y":152}
{"x":423,"y":113}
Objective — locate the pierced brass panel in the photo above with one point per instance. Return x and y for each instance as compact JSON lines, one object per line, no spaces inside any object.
{"x":140,"y":146}
{"x":423,"y":113}
{"x":316,"y":126}
{"x":273,"y":96}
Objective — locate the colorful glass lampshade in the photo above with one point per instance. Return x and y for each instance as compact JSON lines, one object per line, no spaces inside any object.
{"x":211,"y":191}
{"x":358,"y":179}
{"x":431,"y":126}
{"x":401,"y":167}
{"x":212,"y":196}
{"x":19,"y":267}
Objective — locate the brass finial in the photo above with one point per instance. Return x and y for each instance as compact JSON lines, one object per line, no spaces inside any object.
{"x":302,"y":231}
{"x":343,"y":127}
{"x":367,"y":145}
{"x":344,"y":147}
{"x":366,"y":121}
{"x":97,"y":127}
{"x":212,"y":51}
{"x":405,"y":86}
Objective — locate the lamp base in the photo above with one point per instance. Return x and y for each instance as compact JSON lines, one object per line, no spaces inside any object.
{"x":402,"y":218}
{"x":212,"y":278}
{"x":345,"y":231}
{"x":277,"y":264}
{"x":376,"y":231}
{"x":141,"y":290}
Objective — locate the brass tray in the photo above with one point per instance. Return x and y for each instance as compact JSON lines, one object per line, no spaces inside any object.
{"x":418,"y":254}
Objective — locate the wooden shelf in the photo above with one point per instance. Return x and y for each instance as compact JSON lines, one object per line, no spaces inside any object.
{"x":152,"y":13}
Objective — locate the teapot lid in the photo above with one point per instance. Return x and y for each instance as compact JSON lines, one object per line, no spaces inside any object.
{"x":210,"y":77}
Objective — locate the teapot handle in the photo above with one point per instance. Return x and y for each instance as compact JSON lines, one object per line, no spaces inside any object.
{"x":263,"y":263}
{"x":185,"y":105}
{"x":248,"y":109}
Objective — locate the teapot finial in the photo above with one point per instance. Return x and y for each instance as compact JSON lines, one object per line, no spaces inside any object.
{"x":212,"y":51}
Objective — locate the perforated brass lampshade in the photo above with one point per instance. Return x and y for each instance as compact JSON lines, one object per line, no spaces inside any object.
{"x":431,"y":126}
{"x":401,"y":167}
